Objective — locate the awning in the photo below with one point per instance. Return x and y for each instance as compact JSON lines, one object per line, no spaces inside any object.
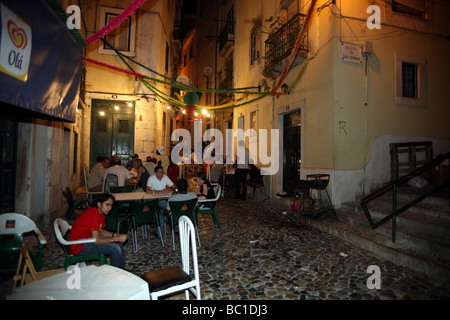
{"x":40,"y":60}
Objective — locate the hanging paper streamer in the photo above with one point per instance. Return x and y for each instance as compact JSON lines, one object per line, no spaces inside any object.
{"x":116,"y":21}
{"x":131,"y":73}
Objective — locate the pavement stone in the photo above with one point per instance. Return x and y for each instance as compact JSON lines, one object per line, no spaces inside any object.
{"x":262,"y":253}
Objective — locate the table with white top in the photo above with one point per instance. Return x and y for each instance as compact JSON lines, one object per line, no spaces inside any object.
{"x":137,"y":196}
{"x":86,"y":283}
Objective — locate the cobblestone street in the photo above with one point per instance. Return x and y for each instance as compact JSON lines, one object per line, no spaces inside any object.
{"x":262,"y":254}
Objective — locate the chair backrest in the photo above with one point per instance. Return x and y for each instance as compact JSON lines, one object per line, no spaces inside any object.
{"x":16,"y":223}
{"x":112,"y":219}
{"x":217,"y":191}
{"x":111,"y":180}
{"x":187,"y":242}
{"x":185,"y":207}
{"x":61,"y":228}
{"x":144,"y":211}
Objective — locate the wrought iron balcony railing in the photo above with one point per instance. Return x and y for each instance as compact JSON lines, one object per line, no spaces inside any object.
{"x":280,"y":44}
{"x":226,"y":36}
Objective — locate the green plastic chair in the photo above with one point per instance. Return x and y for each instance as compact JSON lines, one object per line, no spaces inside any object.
{"x":182,"y":208}
{"x":212,"y":211}
{"x":74,"y":207}
{"x":118,"y":218}
{"x":144,"y":213}
{"x":61,"y":228}
{"x":13,"y":226}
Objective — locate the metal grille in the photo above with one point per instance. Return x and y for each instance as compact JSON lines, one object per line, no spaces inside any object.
{"x":279,"y":46}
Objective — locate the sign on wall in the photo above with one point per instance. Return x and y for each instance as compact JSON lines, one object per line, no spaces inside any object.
{"x":351,"y":52}
{"x":15,"y":45}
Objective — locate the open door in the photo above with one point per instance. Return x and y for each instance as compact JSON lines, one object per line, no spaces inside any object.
{"x":292,"y":150}
{"x":112,"y":130}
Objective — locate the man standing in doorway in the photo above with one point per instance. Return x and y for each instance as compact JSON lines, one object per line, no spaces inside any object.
{"x":242,"y":162}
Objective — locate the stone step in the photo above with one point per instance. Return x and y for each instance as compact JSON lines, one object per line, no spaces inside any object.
{"x":432,"y":206}
{"x":413,"y":222}
{"x":401,"y":252}
{"x":407,"y":230}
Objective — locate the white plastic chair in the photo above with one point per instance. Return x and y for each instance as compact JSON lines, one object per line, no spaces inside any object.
{"x":17,"y":224}
{"x":13,"y":223}
{"x":61,"y":227}
{"x":214,"y":214}
{"x":175,"y":279}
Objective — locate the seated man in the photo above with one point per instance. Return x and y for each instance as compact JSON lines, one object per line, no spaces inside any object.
{"x":124,"y":176}
{"x":183,"y":194}
{"x":95,"y":181}
{"x":157,"y":184}
{"x":90,"y":225}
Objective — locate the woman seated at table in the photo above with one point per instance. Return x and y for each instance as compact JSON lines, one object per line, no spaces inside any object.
{"x":142,"y":173}
{"x":206,"y":191}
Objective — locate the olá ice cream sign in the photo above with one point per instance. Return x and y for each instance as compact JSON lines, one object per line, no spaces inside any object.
{"x":15,"y":46}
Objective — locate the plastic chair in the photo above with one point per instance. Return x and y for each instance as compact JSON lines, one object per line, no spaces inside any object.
{"x":12,"y":228}
{"x":182,"y":208}
{"x":74,"y":207}
{"x":175,"y":279}
{"x":111,"y":180}
{"x":89,"y":192}
{"x":61,"y":228}
{"x":212,"y":211}
{"x":117,"y":219}
{"x":142,"y":214}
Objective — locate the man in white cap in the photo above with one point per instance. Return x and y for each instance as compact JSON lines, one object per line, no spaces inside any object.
{"x":162,"y":159}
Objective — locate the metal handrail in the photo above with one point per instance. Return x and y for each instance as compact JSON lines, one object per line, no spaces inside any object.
{"x":393,"y":186}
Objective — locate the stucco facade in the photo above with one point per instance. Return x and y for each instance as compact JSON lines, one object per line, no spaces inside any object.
{"x":350,"y":112}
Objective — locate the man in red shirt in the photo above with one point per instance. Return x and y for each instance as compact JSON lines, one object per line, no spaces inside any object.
{"x":90,"y":224}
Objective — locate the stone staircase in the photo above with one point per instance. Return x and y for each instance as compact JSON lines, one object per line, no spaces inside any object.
{"x":422,"y":237}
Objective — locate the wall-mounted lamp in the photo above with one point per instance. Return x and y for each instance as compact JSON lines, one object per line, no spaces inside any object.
{"x":285,"y":88}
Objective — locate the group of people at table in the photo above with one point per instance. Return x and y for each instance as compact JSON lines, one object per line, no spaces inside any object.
{"x":90,"y":224}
